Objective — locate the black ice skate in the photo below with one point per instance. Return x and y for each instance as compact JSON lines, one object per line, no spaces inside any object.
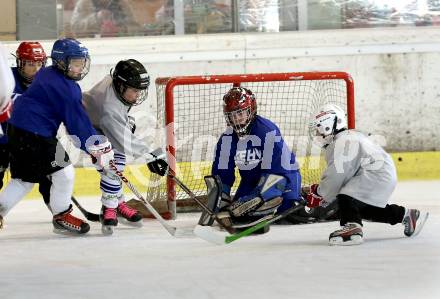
{"x":414,"y":222}
{"x":128,"y":215}
{"x":349,"y":234}
{"x":66,"y":223}
{"x":108,"y":220}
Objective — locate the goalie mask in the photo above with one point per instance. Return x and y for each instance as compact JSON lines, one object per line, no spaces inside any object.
{"x":130,"y":82}
{"x":71,"y":57}
{"x":30,"y":58}
{"x":326,"y":123}
{"x":240,"y":109}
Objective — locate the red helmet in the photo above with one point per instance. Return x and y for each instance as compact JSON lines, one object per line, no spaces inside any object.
{"x":29,"y":51}
{"x":240,"y":109}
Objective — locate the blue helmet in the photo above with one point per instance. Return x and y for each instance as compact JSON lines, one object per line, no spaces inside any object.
{"x":66,"y":49}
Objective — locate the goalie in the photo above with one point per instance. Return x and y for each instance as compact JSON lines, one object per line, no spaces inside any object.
{"x":360,"y":178}
{"x":270,"y":178}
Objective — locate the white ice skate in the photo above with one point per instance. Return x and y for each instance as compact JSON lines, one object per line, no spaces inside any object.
{"x":349,"y":234}
{"x":414,"y":221}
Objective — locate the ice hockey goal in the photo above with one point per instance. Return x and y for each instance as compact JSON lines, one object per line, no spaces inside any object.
{"x":191,"y":109}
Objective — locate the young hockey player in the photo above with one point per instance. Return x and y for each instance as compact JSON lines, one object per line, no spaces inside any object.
{"x":108,"y":104}
{"x":6,"y":87}
{"x":270,"y":178}
{"x":360,"y":176}
{"x":53,"y":97}
{"x":30,"y":58}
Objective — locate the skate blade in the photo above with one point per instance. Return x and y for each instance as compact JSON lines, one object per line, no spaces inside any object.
{"x":66,"y":232}
{"x":419,"y":227}
{"x":338,"y":241}
{"x":137,"y":224}
{"x":107,"y":230}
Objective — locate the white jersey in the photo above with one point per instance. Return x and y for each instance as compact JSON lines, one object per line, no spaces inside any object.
{"x":110,"y":116}
{"x":7,"y":82}
{"x":359,"y":168}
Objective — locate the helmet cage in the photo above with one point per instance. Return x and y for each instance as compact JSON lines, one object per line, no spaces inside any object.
{"x":66,"y":67}
{"x":120,"y":87}
{"x":239,"y":109}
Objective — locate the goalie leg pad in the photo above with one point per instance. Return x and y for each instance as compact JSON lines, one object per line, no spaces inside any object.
{"x":271,"y":185}
{"x":243,"y":207}
{"x":263,"y":200}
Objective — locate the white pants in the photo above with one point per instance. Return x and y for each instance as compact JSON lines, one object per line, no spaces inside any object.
{"x":60,"y":191}
{"x":111,"y":185}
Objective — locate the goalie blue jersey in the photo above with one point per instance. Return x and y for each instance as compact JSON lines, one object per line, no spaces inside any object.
{"x":262,"y":151}
{"x":50,"y":100}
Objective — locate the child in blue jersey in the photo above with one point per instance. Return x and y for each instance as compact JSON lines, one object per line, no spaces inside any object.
{"x":53,"y":98}
{"x":270,"y":178}
{"x":30,"y":58}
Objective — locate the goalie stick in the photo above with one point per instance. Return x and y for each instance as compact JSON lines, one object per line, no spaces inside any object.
{"x":210,"y":182}
{"x":207,"y":233}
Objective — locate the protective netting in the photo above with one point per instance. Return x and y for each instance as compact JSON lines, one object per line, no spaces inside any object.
{"x":198,"y":122}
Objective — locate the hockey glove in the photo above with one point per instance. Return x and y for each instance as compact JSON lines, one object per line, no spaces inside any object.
{"x":156,"y":162}
{"x":313,"y":198}
{"x":132,"y":124}
{"x":5,"y":112}
{"x":101,"y":155}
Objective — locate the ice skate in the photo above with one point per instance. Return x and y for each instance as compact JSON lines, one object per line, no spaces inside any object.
{"x":66,"y":223}
{"x":349,"y":234}
{"x":413,"y":222}
{"x":129,"y":216}
{"x":108,"y":220}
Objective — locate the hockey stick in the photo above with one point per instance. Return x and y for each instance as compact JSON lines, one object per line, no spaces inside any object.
{"x":228,"y":228}
{"x":89,"y":215}
{"x":171,"y":229}
{"x":208,"y":234}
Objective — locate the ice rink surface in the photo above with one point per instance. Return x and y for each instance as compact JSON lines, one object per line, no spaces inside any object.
{"x":288,"y":262}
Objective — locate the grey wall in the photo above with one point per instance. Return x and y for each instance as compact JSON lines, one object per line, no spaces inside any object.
{"x":396,"y":70}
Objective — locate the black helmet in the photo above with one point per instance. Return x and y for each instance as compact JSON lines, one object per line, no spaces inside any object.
{"x":130,"y":73}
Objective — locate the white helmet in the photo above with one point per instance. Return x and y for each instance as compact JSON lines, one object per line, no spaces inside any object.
{"x":327,"y":122}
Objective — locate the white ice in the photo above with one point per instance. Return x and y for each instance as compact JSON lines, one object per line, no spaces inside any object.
{"x":288,"y":262}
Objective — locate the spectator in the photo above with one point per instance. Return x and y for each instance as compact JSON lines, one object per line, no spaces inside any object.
{"x":152,"y":17}
{"x":105,"y":18}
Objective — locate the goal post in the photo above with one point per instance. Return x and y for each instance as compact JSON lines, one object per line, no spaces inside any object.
{"x":190,"y":108}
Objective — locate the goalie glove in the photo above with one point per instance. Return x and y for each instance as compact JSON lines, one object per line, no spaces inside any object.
{"x":102,"y":154}
{"x":156,"y":162}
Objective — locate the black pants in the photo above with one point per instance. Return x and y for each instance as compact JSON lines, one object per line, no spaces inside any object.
{"x":4,"y":161}
{"x":352,"y":210}
{"x":33,"y":158}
